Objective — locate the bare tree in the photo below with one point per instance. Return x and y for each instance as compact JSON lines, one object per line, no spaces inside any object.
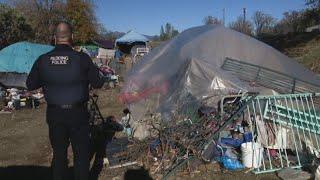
{"x":264,"y":23}
{"x":13,"y":27}
{"x":313,"y":3}
{"x":211,"y":20}
{"x":243,"y":26}
{"x":42,"y":16}
{"x":291,"y":22}
{"x":313,"y":11}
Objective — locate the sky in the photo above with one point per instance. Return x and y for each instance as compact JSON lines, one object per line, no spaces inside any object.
{"x":147,"y":16}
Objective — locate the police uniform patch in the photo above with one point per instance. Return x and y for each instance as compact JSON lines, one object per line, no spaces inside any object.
{"x":59,"y":60}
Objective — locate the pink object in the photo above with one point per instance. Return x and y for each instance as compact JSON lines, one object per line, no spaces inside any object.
{"x":273,"y":152}
{"x":106,"y":70}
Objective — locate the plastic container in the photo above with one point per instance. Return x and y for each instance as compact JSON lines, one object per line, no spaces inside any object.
{"x":317,"y":174}
{"x":231,"y":142}
{"x":247,"y":137}
{"x":252,"y":154}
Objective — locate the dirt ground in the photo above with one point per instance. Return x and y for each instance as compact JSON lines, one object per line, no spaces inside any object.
{"x":25,"y":152}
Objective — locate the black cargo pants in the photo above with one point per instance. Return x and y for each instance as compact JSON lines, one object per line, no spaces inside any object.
{"x":65,"y":126}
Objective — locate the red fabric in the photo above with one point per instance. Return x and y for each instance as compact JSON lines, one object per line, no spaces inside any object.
{"x":128,"y":98}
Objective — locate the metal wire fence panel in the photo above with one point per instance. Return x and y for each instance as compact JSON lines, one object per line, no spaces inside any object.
{"x":287,"y":127}
{"x":268,"y":77}
{"x":285,"y":132}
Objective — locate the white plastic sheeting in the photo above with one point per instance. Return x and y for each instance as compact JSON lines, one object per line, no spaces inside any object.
{"x":188,"y":68}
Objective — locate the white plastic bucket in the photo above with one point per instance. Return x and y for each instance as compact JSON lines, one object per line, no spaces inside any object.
{"x":317,"y":174}
{"x":252,"y":154}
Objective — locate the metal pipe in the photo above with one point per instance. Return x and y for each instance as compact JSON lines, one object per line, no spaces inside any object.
{"x":314,"y":122}
{"x":262,"y":118}
{"x":281,"y":132}
{"x":275,"y":127}
{"x":294,"y":137}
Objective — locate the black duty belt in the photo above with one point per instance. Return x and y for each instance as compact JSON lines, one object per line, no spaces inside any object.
{"x":68,"y":106}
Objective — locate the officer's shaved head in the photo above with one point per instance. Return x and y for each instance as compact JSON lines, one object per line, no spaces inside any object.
{"x":63,"y":33}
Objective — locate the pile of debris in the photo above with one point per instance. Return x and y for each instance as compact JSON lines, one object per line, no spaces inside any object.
{"x":15,"y":99}
{"x":107,"y":72}
{"x":261,"y":133}
{"x":109,"y":75}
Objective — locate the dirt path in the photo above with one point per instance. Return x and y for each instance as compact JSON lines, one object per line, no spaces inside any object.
{"x":23,"y":138}
{"x":24,"y":144}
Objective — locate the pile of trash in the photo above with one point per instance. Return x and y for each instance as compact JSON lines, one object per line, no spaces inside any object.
{"x":15,"y":99}
{"x":109,"y":74}
{"x":259,"y":133}
{"x":190,"y":138}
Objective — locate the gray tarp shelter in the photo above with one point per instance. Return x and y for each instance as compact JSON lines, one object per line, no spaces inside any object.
{"x":210,"y":61}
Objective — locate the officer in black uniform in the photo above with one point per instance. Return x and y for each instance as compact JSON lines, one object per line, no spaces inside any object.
{"x":65,"y":76}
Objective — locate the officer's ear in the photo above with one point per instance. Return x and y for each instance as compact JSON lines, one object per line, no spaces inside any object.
{"x":55,"y":39}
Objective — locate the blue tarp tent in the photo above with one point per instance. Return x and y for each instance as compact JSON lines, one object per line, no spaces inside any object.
{"x":132,"y":37}
{"x":16,"y":62}
{"x":19,"y":57}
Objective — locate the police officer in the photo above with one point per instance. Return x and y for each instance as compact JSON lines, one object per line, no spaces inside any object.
{"x":65,"y":76}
